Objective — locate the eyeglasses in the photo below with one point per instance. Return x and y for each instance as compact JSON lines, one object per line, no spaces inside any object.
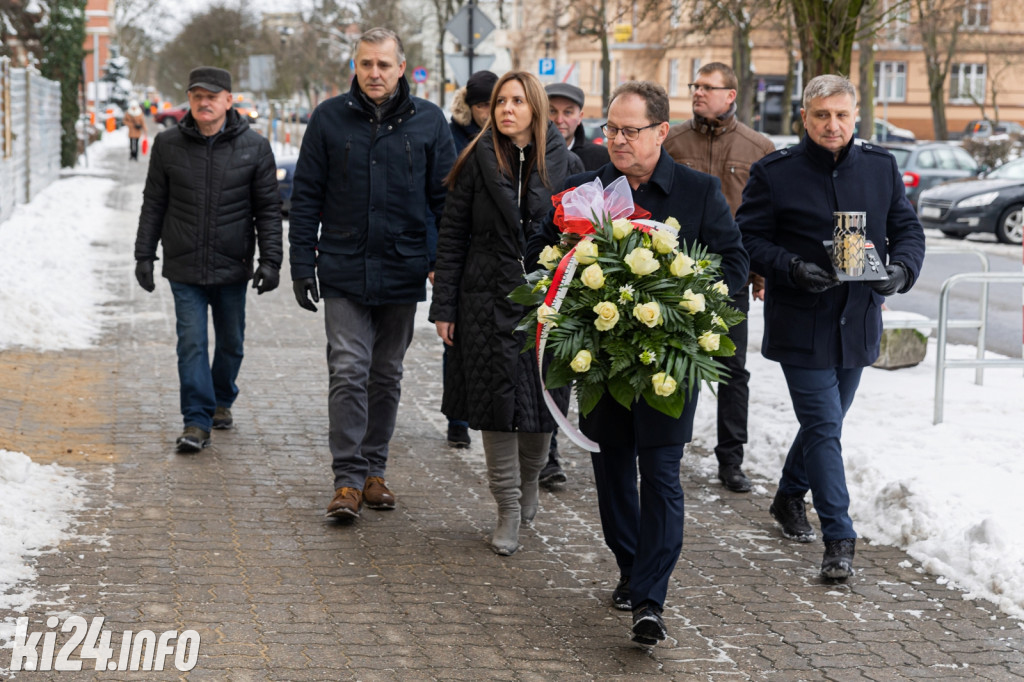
{"x":694,"y":87}
{"x":611,"y":132}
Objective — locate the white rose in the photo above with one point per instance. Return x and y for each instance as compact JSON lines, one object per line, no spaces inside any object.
{"x":607,"y":315}
{"x":721,"y":287}
{"x":641,"y":262}
{"x":621,"y":228}
{"x":545,"y":315}
{"x":664,"y":241}
{"x":586,"y":252}
{"x":663,"y":384}
{"x":592,"y":276}
{"x":550,"y":256}
{"x":648,"y":313}
{"x":581,"y":363}
{"x":692,"y":303}
{"x":709,"y":341}
{"x":681,"y":266}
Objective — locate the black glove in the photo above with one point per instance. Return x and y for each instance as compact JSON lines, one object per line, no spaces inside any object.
{"x":811,"y":277}
{"x":267,"y":278}
{"x":898,"y":278}
{"x":305,"y":289}
{"x":144,"y":275}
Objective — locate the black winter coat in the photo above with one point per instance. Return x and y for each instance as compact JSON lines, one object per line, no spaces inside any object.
{"x":592,"y":154}
{"x":488,"y":381}
{"x":368,"y":195}
{"x":210,"y":201}
{"x":787,"y":212}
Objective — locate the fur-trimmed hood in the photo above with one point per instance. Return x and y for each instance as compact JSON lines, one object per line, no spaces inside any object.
{"x":461,"y":113}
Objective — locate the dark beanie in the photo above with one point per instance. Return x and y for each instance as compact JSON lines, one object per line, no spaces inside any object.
{"x":479,"y":86}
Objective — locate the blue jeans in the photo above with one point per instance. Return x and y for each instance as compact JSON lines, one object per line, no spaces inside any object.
{"x":821,"y":398}
{"x":204,"y":387}
{"x":365,"y":349}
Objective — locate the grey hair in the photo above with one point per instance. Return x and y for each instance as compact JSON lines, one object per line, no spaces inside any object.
{"x":375,"y":36}
{"x":828,"y":85}
{"x":653,"y":95}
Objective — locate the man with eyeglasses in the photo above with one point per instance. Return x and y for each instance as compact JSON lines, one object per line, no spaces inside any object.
{"x":714,"y":141}
{"x":642,"y":437}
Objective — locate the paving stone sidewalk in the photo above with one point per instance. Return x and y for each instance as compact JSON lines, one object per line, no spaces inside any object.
{"x":232,"y":542}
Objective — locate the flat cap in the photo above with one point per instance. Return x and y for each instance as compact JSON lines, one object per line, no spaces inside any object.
{"x":566,"y":90}
{"x":209,"y":78}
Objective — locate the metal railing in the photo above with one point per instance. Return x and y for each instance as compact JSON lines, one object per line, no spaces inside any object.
{"x":980,"y":323}
{"x":979,"y":362}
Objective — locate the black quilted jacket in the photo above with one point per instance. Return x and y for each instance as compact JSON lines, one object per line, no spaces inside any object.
{"x":210,"y":203}
{"x":480,"y":248}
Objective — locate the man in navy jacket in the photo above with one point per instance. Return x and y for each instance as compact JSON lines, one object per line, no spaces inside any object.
{"x":644,"y":438}
{"x":367,"y":198}
{"x":824,"y":332}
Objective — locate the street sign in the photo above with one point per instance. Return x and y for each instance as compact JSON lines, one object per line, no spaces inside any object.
{"x":460,"y":65}
{"x":419,"y":74}
{"x":546,"y":67}
{"x":470,"y":16}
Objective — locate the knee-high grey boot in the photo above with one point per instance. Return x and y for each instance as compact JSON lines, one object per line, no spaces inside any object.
{"x":533,"y":455}
{"x":502,"y":455}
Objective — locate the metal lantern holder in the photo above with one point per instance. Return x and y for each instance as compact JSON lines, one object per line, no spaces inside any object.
{"x":849,"y":238}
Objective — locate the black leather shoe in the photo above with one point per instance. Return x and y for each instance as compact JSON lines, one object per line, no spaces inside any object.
{"x":733,"y":478}
{"x":458,"y":436}
{"x":791,"y":514}
{"x":552,"y":476}
{"x":648,"y":627}
{"x":837,"y":562}
{"x":620,"y":595}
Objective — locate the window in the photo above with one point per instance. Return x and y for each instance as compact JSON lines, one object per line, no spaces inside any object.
{"x":675,"y":17}
{"x":891,"y":81}
{"x":673,"y":78}
{"x":976,"y":14}
{"x":964,"y":160}
{"x":967,"y":83}
{"x":695,"y":69}
{"x":894,"y":30}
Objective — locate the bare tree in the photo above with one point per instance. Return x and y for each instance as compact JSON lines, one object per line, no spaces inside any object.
{"x":218,"y":37}
{"x":827,"y":31}
{"x":939,"y":22}
{"x":742,"y":18}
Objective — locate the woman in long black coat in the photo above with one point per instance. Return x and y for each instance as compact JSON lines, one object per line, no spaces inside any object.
{"x":499,"y":188}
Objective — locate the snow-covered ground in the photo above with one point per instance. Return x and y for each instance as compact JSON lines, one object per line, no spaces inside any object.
{"x":949,"y":494}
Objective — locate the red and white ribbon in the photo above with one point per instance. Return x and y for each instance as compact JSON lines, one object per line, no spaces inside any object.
{"x":561,"y":278}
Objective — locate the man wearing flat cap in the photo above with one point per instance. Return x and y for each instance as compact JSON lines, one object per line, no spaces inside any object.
{"x":565,"y":110}
{"x":210,"y":198}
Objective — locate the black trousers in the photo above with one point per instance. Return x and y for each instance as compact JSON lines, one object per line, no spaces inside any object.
{"x":734,"y":396}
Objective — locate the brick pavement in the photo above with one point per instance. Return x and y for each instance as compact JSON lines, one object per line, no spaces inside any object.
{"x":232,"y":542}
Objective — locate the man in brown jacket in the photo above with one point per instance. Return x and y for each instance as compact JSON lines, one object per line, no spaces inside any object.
{"x":715,"y":142}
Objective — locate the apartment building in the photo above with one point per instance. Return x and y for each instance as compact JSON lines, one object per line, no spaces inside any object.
{"x":660,"y":42}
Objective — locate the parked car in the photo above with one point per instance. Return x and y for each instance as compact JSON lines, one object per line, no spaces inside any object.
{"x":592,"y":129}
{"x":784,"y":141}
{"x":887,"y":132}
{"x":285,"y":176}
{"x":927,"y":164}
{"x":171,"y":116}
{"x":991,"y":203}
{"x":986,"y":128}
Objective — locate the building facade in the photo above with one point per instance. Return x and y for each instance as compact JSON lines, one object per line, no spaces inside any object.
{"x":661,"y":42}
